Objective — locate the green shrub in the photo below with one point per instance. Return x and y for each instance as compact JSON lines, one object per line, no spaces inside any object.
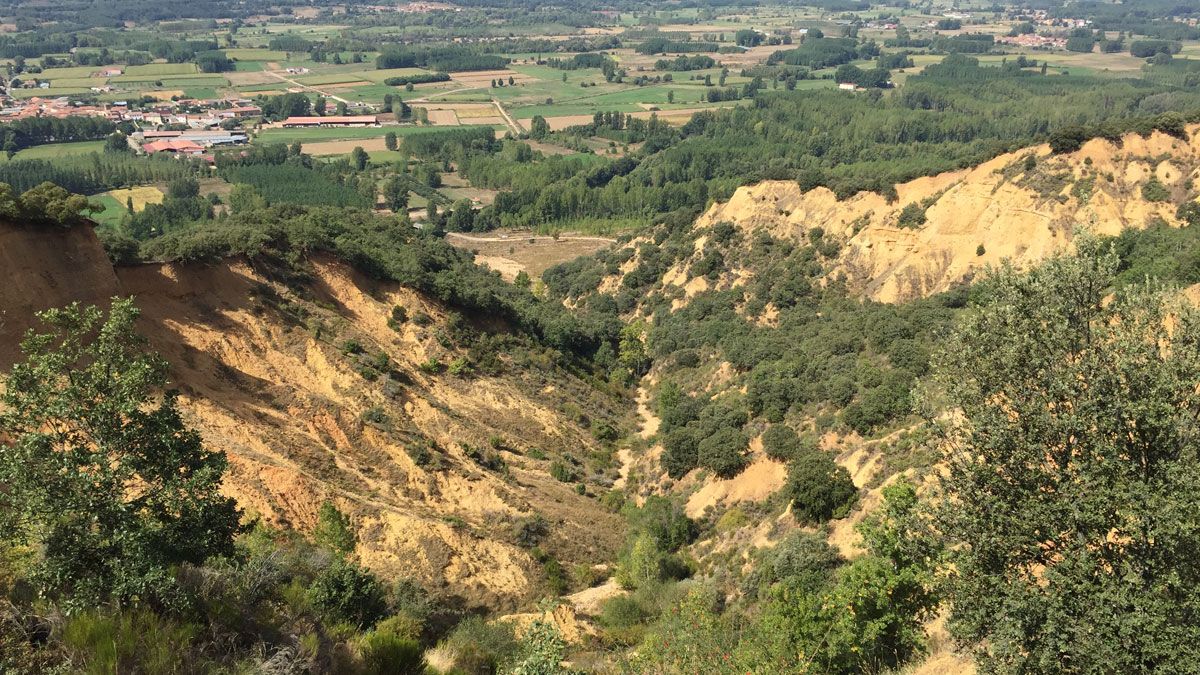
{"x":1189,"y":213}
{"x":724,"y":452}
{"x":782,"y":444}
{"x":351,"y":346}
{"x":136,"y":640}
{"x":333,"y":530}
{"x":1154,"y":191}
{"x":912,"y":216}
{"x":346,"y":592}
{"x":529,"y":532}
{"x":432,"y":367}
{"x":557,"y":580}
{"x":481,"y":647}
{"x":732,"y":519}
{"x":562,"y":471}
{"x":818,"y":488}
{"x":802,"y":559}
{"x":460,"y":367}
{"x":375,"y":415}
{"x":385,"y":653}
{"x":624,"y":619}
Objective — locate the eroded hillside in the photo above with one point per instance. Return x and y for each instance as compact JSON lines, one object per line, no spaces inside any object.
{"x":941,"y":231}
{"x":325,"y":390}
{"x":785,"y":309}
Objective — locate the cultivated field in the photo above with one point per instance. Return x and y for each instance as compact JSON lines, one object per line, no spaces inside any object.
{"x":510,"y":252}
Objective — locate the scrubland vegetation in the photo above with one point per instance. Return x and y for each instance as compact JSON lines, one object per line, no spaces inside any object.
{"x":1015,"y":455}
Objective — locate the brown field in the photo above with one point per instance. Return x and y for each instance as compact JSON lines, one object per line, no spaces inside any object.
{"x":451,"y":114}
{"x":326,"y":148}
{"x":512,"y":252}
{"x":164,"y":95}
{"x":480,"y":196}
{"x":480,"y":77}
{"x":680,"y":116}
{"x":549,"y":148}
{"x":340,"y":86}
{"x":245,"y":79}
{"x":442,"y":117}
{"x":477,"y":112}
{"x":140,"y":196}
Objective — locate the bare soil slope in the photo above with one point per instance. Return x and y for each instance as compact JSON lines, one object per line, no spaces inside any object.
{"x":265,"y":378}
{"x":1020,"y":206}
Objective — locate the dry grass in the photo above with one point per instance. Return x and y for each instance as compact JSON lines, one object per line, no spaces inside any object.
{"x":515,"y":251}
{"x":141,"y":196}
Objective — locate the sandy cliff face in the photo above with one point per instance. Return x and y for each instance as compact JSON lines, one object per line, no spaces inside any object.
{"x":1021,"y":206}
{"x":79,"y":271}
{"x":264,"y":378}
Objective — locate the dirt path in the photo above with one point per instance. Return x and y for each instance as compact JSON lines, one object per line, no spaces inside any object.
{"x":647,"y":426}
{"x":516,"y":128}
{"x":310,"y":88}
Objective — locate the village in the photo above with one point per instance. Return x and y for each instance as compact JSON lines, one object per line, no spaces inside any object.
{"x":182,"y":128}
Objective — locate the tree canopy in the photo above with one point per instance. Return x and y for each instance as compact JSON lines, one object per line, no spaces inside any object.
{"x":1073,"y":485}
{"x":100,"y":472}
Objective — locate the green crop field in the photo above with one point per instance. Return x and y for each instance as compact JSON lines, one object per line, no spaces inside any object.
{"x":56,"y":150}
{"x":201,"y":93}
{"x":113,"y":211}
{"x":278,"y":87}
{"x":381,"y":75}
{"x":154,"y":69}
{"x":331,"y":78}
{"x":68,"y":73}
{"x":241,"y":54}
{"x":84,"y":82}
{"x":349,"y":133}
{"x":50,"y":92}
{"x":172,"y":81}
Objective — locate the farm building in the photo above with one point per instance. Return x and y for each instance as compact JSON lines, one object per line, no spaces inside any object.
{"x":173,"y":145}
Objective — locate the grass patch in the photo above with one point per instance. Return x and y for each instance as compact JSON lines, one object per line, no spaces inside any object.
{"x":57,"y":150}
{"x":245,"y":54}
{"x":113,"y":211}
{"x":68,"y":73}
{"x":381,"y":75}
{"x":156,"y":69}
{"x":304,"y":135}
{"x":331,"y":78}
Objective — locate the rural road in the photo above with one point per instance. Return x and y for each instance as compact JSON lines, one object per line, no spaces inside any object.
{"x":292,"y":82}
{"x":516,"y":128}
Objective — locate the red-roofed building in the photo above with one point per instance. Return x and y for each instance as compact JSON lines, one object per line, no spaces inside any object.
{"x":177,"y":146}
{"x":332,"y":121}
{"x":240,"y":112}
